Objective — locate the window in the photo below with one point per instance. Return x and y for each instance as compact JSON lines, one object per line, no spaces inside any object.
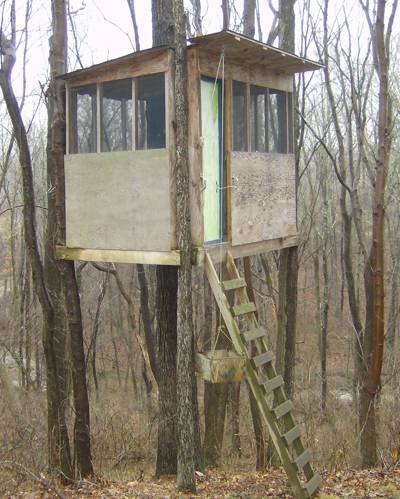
{"x":117,"y":116}
{"x":258,"y":119}
{"x":150,"y":112}
{"x":84,"y":118}
{"x":277,"y":121}
{"x":270,"y":112}
{"x":239,"y":114}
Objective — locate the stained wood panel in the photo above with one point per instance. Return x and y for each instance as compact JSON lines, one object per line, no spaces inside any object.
{"x":118,"y":200}
{"x":264,"y":199}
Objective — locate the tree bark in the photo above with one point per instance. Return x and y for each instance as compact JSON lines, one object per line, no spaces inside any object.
{"x":65,"y":270}
{"x":374,"y":269}
{"x":167,"y":286}
{"x":185,"y":359}
{"x":249,"y":18}
{"x":58,"y":441}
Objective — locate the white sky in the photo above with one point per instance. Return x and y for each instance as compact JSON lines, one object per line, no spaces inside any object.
{"x":105,"y":30}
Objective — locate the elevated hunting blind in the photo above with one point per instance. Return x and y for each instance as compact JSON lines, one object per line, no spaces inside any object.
{"x":119,"y":162}
{"x":120,"y":189}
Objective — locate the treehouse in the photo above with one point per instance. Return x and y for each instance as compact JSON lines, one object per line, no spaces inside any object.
{"x":120,"y":153}
{"x":121,"y":201}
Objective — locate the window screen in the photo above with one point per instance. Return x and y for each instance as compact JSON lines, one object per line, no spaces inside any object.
{"x":277,"y":121}
{"x":258,"y":118}
{"x":239,"y":114}
{"x":84,"y":116}
{"x":117,"y":116}
{"x":150,"y":112}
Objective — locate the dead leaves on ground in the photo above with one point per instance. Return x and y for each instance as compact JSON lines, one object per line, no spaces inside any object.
{"x":222,"y":484}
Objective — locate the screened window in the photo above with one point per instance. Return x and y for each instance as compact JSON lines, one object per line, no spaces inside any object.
{"x":84,"y":118}
{"x":239,"y":110}
{"x":258,"y":118}
{"x":117,"y":116}
{"x":277,"y":121}
{"x":150,"y":112}
{"x":270,"y":115}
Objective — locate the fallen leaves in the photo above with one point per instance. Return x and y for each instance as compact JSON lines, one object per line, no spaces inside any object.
{"x":222,"y":484}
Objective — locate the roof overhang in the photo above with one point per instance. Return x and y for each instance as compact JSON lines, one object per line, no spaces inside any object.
{"x":248,"y":51}
{"x":116,"y":63}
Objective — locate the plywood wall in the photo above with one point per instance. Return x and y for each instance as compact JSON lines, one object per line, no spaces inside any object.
{"x":119,"y":200}
{"x":264,"y":199}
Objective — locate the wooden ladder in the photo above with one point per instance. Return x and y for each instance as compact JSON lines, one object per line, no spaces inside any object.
{"x":263,"y":379}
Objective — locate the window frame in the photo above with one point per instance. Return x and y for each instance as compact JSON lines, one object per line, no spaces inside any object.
{"x":248,"y":125}
{"x":71,"y":121}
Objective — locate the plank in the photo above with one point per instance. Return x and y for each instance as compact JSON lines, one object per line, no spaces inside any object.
{"x":119,"y":200}
{"x":283,"y":409}
{"x":254,"y":334}
{"x":135,"y":64}
{"x":243,"y":308}
{"x":291,"y":435}
{"x":233,"y":284}
{"x":313,"y":484}
{"x":272,"y":384}
{"x":262,"y":359}
{"x":119,"y":256}
{"x":302,"y":460}
{"x":264,"y":201}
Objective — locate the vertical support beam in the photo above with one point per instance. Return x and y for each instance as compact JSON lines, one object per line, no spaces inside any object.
{"x":98,"y":116}
{"x":170,"y":139}
{"x":134,"y":111}
{"x":195,"y":149}
{"x":227,"y":156}
{"x":248,"y":116}
{"x":67,"y":119}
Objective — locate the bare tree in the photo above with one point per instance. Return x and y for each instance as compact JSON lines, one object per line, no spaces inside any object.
{"x":375,"y":266}
{"x":54,"y":344}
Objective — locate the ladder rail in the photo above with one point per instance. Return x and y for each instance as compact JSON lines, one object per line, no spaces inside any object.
{"x":241,"y":349}
{"x":263,"y":380}
{"x":270,"y":371}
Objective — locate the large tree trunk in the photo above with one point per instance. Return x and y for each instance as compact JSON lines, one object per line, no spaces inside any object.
{"x":375,"y":267}
{"x":58,"y":441}
{"x":185,"y":349}
{"x":167,"y":286}
{"x":64,"y":278}
{"x":166,"y":300}
{"x":289,"y":257}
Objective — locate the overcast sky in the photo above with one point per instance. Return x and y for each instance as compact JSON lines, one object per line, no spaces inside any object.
{"x":105,"y":30}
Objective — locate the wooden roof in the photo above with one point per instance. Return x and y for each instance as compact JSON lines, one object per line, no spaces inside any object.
{"x":236,"y":47}
{"x":245,"y":50}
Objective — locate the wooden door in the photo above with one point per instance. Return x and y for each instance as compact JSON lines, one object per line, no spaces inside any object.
{"x":211,"y":131}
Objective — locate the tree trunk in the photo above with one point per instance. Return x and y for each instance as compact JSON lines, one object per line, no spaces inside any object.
{"x":261,"y":455}
{"x":374,"y":337}
{"x":58,"y":441}
{"x":167,"y":286}
{"x":185,"y":361}
{"x":249,"y":13}
{"x":65,"y":271}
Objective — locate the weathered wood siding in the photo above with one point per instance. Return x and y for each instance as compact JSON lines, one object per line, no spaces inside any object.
{"x":264,"y":199}
{"x":119,"y":200}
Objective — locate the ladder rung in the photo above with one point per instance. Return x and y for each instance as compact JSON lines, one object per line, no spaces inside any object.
{"x":243,"y":308}
{"x":292,"y":434}
{"x":272,"y":384}
{"x":233,"y":284}
{"x":262,"y":359}
{"x":313,"y":484}
{"x":283,"y":409}
{"x":303,"y":459}
{"x":254,"y":334}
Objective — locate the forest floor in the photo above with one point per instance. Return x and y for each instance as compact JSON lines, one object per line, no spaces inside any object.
{"x":218,"y":484}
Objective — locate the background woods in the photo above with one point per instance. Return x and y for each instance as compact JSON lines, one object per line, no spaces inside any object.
{"x":117,"y":338}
